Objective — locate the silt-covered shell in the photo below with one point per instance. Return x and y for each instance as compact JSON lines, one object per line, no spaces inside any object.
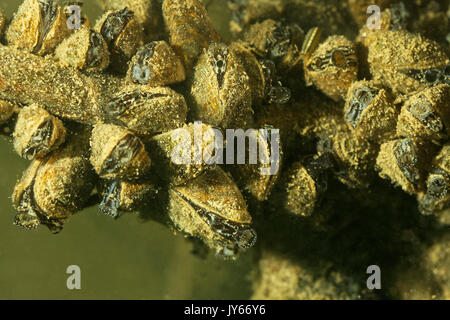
{"x":85,"y":49}
{"x":37,"y":132}
{"x":156,"y":64}
{"x":220,"y":89}
{"x":147,"y":13}
{"x":64,"y":92}
{"x":145,"y":109}
{"x":405,"y":162}
{"x":116,"y":153}
{"x":259,"y":176}
{"x":124,"y":196}
{"x":180,"y":155}
{"x":358,"y":8}
{"x":38,"y":26}
{"x":216,"y":192}
{"x":333,"y":67}
{"x":190,"y":28}
{"x":426,"y":114}
{"x":436,"y":197}
{"x":123,"y":34}
{"x":305,"y":185}
{"x":55,"y":187}
{"x":354,"y":156}
{"x":401,"y":60}
{"x":7,"y":110}
{"x":247,"y":12}
{"x":370,"y":111}
{"x":275,"y":41}
{"x":212,"y":208}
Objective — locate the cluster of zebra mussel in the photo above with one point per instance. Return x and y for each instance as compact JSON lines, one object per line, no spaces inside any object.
{"x":95,"y":112}
{"x":396,"y":123}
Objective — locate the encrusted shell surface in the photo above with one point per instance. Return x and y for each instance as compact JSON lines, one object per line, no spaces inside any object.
{"x":333,"y":67}
{"x":117,"y":153}
{"x":146,"y":110}
{"x":392,"y":54}
{"x":37,"y":132}
{"x":190,"y":28}
{"x":370,"y":111}
{"x":220,"y":89}
{"x":85,"y":49}
{"x":156,"y":64}
{"x":38,"y":26}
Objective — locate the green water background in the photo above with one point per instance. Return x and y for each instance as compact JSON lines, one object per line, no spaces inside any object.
{"x":119,"y":259}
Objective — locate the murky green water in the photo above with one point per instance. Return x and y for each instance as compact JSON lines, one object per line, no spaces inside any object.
{"x":122,"y":259}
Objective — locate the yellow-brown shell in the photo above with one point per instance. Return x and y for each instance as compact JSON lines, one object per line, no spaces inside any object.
{"x":301,"y":191}
{"x":56,"y":186}
{"x":190,"y":28}
{"x":120,"y":195}
{"x":253,"y":10}
{"x":367,"y":35}
{"x":28,"y":31}
{"x":220,"y":89}
{"x":170,"y":150}
{"x":405,"y":162}
{"x":356,"y":157}
{"x":276,"y":41}
{"x":7,"y":110}
{"x":259,"y":177}
{"x":253,"y":69}
{"x":123,"y":34}
{"x":108,"y":141}
{"x":64,"y":92}
{"x":30,"y":139}
{"x":132,"y":195}
{"x":426,"y":114}
{"x":25,"y":182}
{"x":154,"y":65}
{"x":370,"y":111}
{"x":147,"y":13}
{"x":146,"y":110}
{"x":391,"y":52}
{"x":71,"y":9}
{"x":333,"y":67}
{"x":85,"y":49}
{"x":442,"y":159}
{"x":211,"y":208}
{"x":216,"y":192}
{"x":436,"y":196}
{"x":61,"y":186}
